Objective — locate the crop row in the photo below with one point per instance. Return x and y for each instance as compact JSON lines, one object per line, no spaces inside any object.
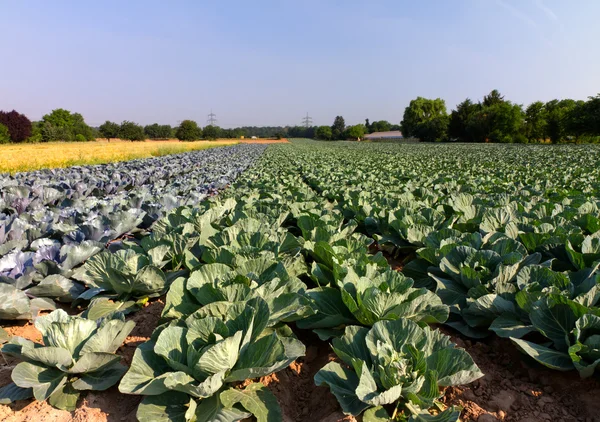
{"x":491,"y":239}
{"x":242,"y":272}
{"x":51,"y":221}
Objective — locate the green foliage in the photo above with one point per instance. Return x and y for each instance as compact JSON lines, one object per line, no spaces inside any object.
{"x":355,"y":132}
{"x":109,"y":130}
{"x":536,"y":121}
{"x":426,"y":119}
{"x":496,"y":121}
{"x":558,"y":114}
{"x":156,"y":131}
{"x":394,"y":361}
{"x":212,"y":132}
{"x":62,"y":125}
{"x":380,"y":126}
{"x":338,"y":128}
{"x":77,"y":354}
{"x":459,"y":121}
{"x":324,"y":133}
{"x":199,"y":359}
{"x":4,"y":134}
{"x":131,"y":131}
{"x":188,"y":130}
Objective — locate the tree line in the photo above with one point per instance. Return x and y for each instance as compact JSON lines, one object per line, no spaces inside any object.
{"x":63,"y":125}
{"x":496,"y":119}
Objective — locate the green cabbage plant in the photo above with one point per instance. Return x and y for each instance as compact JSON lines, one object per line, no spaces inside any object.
{"x":188,"y":370}
{"x":394,"y":362}
{"x":77,"y":354}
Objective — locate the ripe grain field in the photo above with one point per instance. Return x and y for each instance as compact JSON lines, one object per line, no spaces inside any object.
{"x":28,"y":157}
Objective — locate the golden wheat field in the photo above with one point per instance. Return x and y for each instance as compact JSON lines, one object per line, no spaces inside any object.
{"x":25,"y":157}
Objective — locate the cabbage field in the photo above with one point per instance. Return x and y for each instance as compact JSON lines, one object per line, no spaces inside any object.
{"x":307,"y":281}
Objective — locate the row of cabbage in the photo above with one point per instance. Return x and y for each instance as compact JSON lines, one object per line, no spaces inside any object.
{"x":507,"y":237}
{"x":51,"y":221}
{"x":242,"y":273}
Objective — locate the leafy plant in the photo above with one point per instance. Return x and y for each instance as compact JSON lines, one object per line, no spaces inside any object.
{"x":186,"y":371}
{"x":394,"y":362}
{"x":77,"y":354}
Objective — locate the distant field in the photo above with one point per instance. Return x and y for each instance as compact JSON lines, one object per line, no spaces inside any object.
{"x":26,"y":157}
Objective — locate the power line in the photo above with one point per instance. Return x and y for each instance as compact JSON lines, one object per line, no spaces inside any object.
{"x":212,"y":118}
{"x":307,"y":121}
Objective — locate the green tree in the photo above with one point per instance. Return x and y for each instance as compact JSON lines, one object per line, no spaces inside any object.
{"x":212,"y":132}
{"x":109,"y":130}
{"x":338,"y":128}
{"x":459,"y":120}
{"x":356,"y":132}
{"x":535,"y":121}
{"x":368,"y":126}
{"x":4,"y":134}
{"x":131,"y":131}
{"x":80,"y":127}
{"x":62,"y":125}
{"x":381,"y":126}
{"x":323,"y":133}
{"x":493,"y":98}
{"x":426,"y":119}
{"x":500,"y":122}
{"x":558,"y":114}
{"x":188,"y":130}
{"x":59,"y":118}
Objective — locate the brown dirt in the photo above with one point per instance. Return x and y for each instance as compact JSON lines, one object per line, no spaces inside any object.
{"x":517,"y":389}
{"x":94,"y":406}
{"x":300,"y":399}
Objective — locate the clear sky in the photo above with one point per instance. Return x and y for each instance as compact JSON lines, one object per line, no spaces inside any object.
{"x":269,"y":62}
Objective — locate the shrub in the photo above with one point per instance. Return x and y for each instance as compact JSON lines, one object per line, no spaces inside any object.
{"x":80,"y":138}
{"x":4,"y":134}
{"x":18,"y":125}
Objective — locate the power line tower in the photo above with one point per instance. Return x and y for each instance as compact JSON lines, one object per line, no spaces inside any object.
{"x":212,"y":118}
{"x":307,"y":121}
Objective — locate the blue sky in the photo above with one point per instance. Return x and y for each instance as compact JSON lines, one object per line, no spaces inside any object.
{"x":269,"y":62}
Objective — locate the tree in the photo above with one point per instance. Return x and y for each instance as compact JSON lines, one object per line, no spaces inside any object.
{"x":212,"y":132}
{"x":156,"y":131}
{"x":109,"y":130}
{"x":355,"y":132}
{"x":62,"y":125}
{"x":131,"y":131}
{"x":188,"y":130}
{"x":493,"y":98}
{"x":338,"y":128}
{"x":18,"y":125}
{"x":367,"y":126}
{"x":558,"y":113}
{"x":323,"y":133}
{"x":4,"y":134}
{"x":536,"y":121}
{"x":381,"y":126}
{"x":459,"y":120}
{"x":425,"y":119}
{"x":500,"y":122}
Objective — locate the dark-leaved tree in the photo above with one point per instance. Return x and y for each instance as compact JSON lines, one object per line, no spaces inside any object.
{"x":18,"y":125}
